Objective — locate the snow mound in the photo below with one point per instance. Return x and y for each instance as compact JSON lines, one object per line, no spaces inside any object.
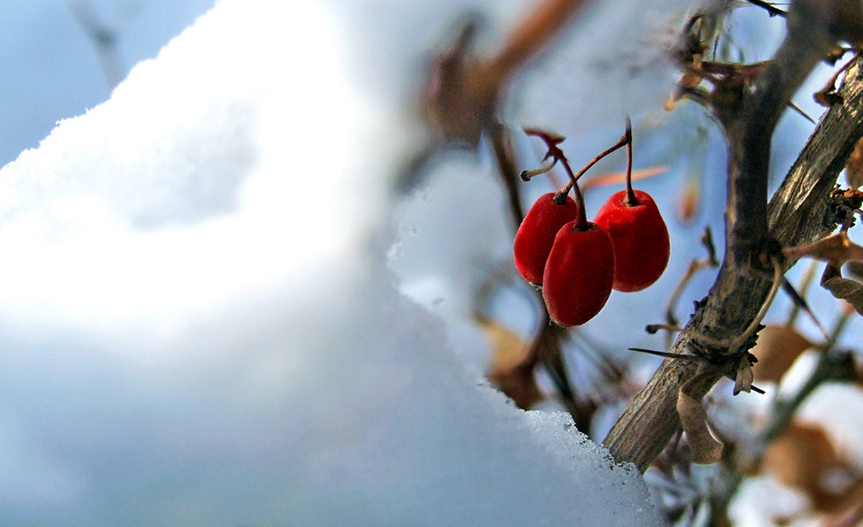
{"x":200,"y":327}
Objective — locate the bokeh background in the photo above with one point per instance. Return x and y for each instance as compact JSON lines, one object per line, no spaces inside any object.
{"x":444,"y":241}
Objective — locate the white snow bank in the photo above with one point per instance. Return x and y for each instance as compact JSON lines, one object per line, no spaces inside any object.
{"x":199,"y":326}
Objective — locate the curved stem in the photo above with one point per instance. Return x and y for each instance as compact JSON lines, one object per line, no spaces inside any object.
{"x":778,"y":273}
{"x":624,"y":140}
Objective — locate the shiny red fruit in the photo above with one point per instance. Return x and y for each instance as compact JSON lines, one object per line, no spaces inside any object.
{"x":536,"y":234}
{"x":578,"y":274}
{"x":641,"y":244}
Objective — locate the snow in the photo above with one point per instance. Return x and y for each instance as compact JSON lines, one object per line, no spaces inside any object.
{"x":200,"y":326}
{"x":616,"y":62}
{"x":51,"y":67}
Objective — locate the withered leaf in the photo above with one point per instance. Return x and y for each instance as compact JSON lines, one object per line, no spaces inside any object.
{"x":705,"y":449}
{"x":511,"y":369}
{"x":777,"y":348}
{"x":836,"y":248}
{"x":533,"y":32}
{"x":843,"y":288}
{"x":855,"y":269}
{"x":690,"y":80}
{"x":552,"y":138}
{"x":616,"y":178}
{"x":687,"y":203}
{"x":804,"y":457}
{"x":854,"y":167}
{"x":743,"y":379}
{"x":828,"y":97}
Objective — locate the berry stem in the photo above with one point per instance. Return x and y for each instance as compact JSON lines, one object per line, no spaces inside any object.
{"x":625,"y":139}
{"x":526,"y":175}
{"x":552,"y":140}
{"x":581,"y":222}
{"x":631,"y":200}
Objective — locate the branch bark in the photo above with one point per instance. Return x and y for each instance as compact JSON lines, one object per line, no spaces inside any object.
{"x":798,"y":213}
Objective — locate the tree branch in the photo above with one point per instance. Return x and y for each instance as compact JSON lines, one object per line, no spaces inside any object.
{"x":799,"y":212}
{"x":749,"y":117}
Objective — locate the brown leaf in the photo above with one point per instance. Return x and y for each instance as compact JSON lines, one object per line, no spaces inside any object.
{"x":744,"y":377}
{"x":533,"y":33}
{"x":849,"y":198}
{"x":690,"y":80}
{"x":511,"y":369}
{"x":847,"y":20}
{"x":687,"y":204}
{"x":615,"y":178}
{"x":693,"y":78}
{"x":705,"y":449}
{"x":836,"y":248}
{"x":828,"y":97}
{"x":671,"y":101}
{"x":849,"y":290}
{"x":460,"y":94}
{"x":854,"y":167}
{"x":852,"y":516}
{"x":777,"y":348}
{"x":855,"y":269}
{"x":804,"y":457}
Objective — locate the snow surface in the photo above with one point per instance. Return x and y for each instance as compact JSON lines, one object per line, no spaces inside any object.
{"x":50,"y":64}
{"x":200,"y":325}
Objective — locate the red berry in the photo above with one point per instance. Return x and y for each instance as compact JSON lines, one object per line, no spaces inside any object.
{"x":641,"y":244}
{"x":536,"y":234}
{"x":578,"y":274}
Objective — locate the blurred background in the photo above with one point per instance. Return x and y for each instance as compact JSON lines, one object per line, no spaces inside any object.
{"x":58,"y":59}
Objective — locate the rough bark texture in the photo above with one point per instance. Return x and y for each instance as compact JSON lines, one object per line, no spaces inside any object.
{"x":799,"y":212}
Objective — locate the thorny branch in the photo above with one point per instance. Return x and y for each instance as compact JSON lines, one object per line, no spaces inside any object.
{"x":748,"y":100}
{"x":797,"y":214}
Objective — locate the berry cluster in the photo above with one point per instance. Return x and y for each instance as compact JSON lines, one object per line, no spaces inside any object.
{"x":577,"y":262}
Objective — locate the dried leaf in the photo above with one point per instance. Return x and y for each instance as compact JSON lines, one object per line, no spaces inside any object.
{"x":687,"y":204}
{"x":461,"y":92}
{"x":836,"y":248}
{"x":855,"y":269}
{"x":854,"y":167}
{"x":690,"y":80}
{"x":617,"y":178}
{"x":533,"y":33}
{"x":743,"y":379}
{"x":777,"y":348}
{"x":549,"y":137}
{"x":849,"y":198}
{"x":849,"y":290}
{"x":804,"y":457}
{"x":669,"y":103}
{"x":828,"y":97}
{"x":797,"y":457}
{"x":511,"y":369}
{"x":852,"y":516}
{"x":705,"y":449}
{"x":847,"y":20}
